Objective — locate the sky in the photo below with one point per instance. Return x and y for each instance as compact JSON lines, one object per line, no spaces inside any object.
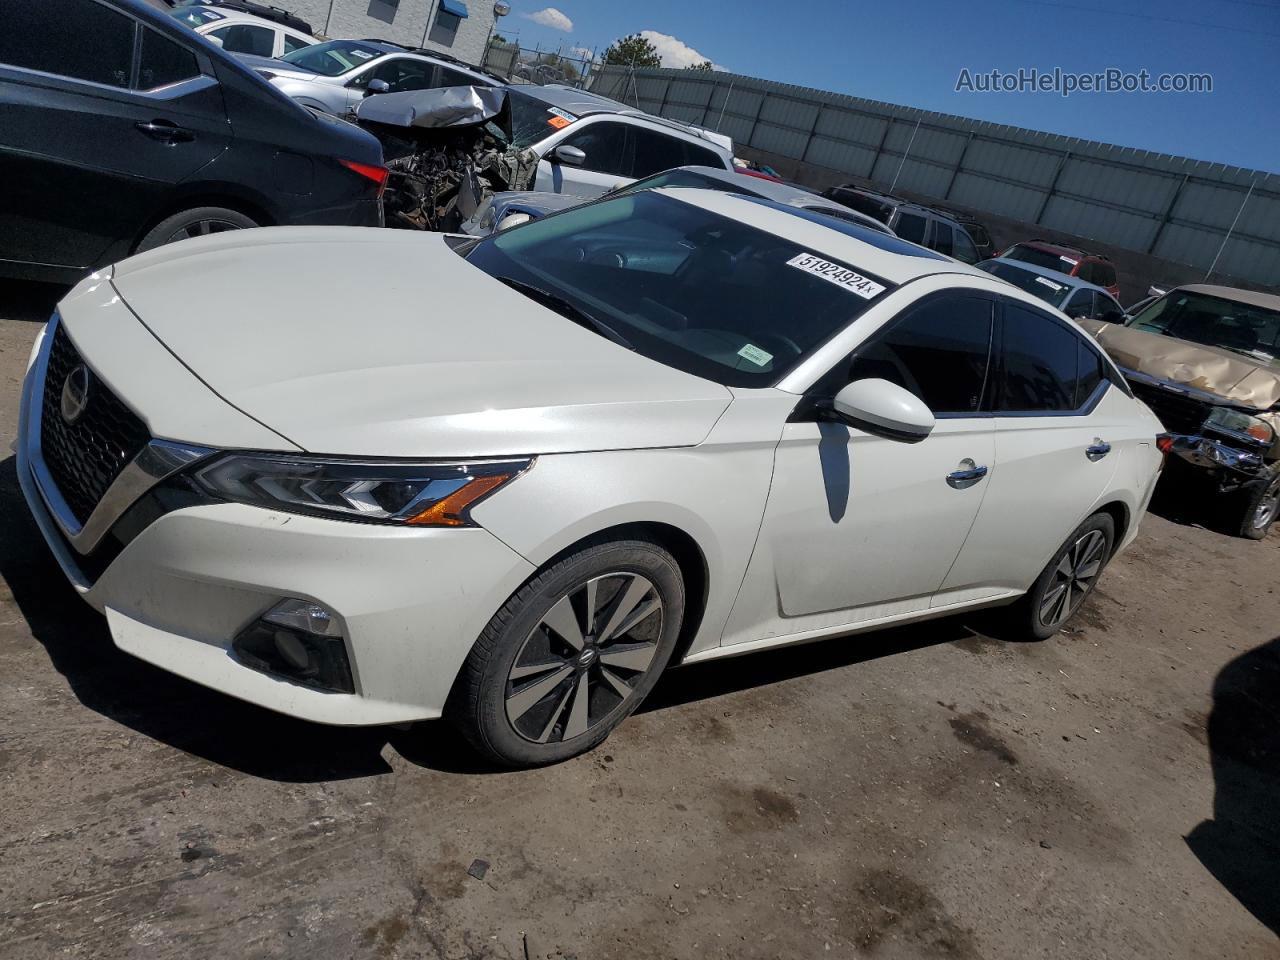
{"x":912,"y":52}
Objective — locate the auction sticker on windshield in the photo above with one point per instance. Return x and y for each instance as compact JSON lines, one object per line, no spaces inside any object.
{"x":834,"y":273}
{"x":1055,"y":287}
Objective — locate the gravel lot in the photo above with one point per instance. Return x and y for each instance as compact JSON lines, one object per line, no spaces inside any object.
{"x":920,"y":792}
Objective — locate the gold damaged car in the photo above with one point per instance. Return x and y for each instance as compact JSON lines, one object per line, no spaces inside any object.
{"x":1206,"y":359}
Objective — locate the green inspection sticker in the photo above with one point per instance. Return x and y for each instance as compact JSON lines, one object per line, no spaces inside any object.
{"x":755,"y":355}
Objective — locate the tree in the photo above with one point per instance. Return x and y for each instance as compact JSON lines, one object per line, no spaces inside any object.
{"x":499,"y":38}
{"x":704,"y":65}
{"x":633,"y":51}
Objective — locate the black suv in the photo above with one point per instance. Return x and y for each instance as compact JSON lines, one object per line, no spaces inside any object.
{"x":121,"y":130}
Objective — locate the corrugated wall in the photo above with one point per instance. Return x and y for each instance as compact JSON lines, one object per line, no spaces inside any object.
{"x":1169,"y":207}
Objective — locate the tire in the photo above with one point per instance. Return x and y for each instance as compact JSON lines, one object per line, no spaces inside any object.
{"x":565,"y":699}
{"x":197,"y":222}
{"x":1036,"y":615}
{"x":1257,"y":507}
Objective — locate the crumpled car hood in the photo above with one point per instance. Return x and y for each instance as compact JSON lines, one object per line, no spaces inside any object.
{"x":1232,"y":376}
{"x":365,"y":342}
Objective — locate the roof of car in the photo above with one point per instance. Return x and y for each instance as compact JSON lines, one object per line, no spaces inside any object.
{"x":244,"y":16}
{"x":583,"y":103}
{"x":1268,"y":301}
{"x":876,"y":253}
{"x":897,"y":201}
{"x":1056,"y":276}
{"x":1050,"y":246}
{"x":390,"y":46}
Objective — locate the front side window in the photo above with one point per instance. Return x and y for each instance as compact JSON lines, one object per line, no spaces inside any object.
{"x":246,"y":38}
{"x":938,"y":350}
{"x":401,"y":74}
{"x":1038,"y":360}
{"x":911,"y":227}
{"x":333,"y":58}
{"x":605,"y":146}
{"x":1080,"y":304}
{"x":78,"y":39}
{"x":1250,"y":330}
{"x":683,"y":286}
{"x":456,"y":78}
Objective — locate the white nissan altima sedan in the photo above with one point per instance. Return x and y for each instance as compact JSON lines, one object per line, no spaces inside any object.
{"x":368,"y":476}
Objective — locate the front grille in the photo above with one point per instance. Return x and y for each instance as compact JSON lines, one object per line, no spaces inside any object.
{"x":84,"y":457}
{"x":1179,"y":414}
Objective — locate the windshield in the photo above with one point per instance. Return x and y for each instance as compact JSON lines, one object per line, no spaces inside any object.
{"x":332,"y":58}
{"x":195,"y":16}
{"x":1215,"y":322}
{"x":685,"y":287}
{"x":1041,"y":258}
{"x":533,"y":120}
{"x":1050,"y":291}
{"x":682,"y":178}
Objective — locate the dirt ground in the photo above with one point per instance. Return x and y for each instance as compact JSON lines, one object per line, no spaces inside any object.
{"x":920,"y":792}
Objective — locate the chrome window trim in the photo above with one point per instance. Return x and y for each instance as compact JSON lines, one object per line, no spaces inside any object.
{"x":156,"y":461}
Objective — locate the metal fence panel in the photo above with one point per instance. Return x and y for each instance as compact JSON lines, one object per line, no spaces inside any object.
{"x":1170,"y":207}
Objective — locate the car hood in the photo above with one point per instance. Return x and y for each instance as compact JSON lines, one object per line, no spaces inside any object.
{"x":1231,"y":376}
{"x":367,"y":342}
{"x":277,"y":67}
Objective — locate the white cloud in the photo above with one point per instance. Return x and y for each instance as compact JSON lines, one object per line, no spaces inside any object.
{"x":674,"y":52}
{"x":552,"y":18}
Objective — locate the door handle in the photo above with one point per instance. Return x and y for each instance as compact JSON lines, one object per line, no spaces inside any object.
{"x":1098,"y":450}
{"x":165,"y":131}
{"x":960,"y":479}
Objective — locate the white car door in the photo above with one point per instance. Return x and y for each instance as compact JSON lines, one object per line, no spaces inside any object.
{"x":860,"y":526}
{"x":1061,"y":431}
{"x":607,"y":163}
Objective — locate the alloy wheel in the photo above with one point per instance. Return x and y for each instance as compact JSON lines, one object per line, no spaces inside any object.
{"x":1072,"y":578}
{"x":201,"y":228}
{"x":1268,"y":506}
{"x":584,"y":658}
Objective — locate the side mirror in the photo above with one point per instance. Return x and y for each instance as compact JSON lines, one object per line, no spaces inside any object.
{"x":570,"y":155}
{"x":884,"y":408}
{"x":377,"y":86}
{"x":511,"y":220}
{"x":216,"y":41}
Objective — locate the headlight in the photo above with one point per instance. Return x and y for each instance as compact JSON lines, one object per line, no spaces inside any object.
{"x":416,"y":494}
{"x":1241,"y":425}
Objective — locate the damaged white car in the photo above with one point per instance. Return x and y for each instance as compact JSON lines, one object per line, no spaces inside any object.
{"x":449,"y":149}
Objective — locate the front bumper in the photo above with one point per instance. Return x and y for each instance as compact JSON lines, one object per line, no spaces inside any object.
{"x":410,"y":602}
{"x":1232,"y":463}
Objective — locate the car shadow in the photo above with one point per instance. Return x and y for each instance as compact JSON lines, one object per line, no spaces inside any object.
{"x":261,"y":743}
{"x":28,"y":300}
{"x":1240,"y":846}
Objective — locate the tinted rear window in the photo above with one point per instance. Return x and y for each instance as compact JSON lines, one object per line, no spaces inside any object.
{"x":1041,"y":258}
{"x":1039,"y":358}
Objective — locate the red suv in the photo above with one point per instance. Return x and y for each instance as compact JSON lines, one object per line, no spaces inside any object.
{"x":1090,"y":267}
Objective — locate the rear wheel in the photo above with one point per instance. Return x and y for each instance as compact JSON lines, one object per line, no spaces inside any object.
{"x":571,"y":654}
{"x":1061,"y":589}
{"x":197,"y":222}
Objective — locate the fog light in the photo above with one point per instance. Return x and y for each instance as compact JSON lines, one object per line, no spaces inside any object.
{"x":300,"y":641}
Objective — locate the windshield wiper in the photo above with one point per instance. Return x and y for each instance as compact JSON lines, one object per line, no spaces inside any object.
{"x":567,"y":309}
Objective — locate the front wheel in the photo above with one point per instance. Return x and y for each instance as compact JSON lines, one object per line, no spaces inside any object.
{"x":1258,"y":505}
{"x":1061,"y":589}
{"x":571,"y":654}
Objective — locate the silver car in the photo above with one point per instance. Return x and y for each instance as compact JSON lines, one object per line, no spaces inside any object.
{"x":503,"y":210}
{"x":336,"y":75}
{"x":1071,"y":295}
